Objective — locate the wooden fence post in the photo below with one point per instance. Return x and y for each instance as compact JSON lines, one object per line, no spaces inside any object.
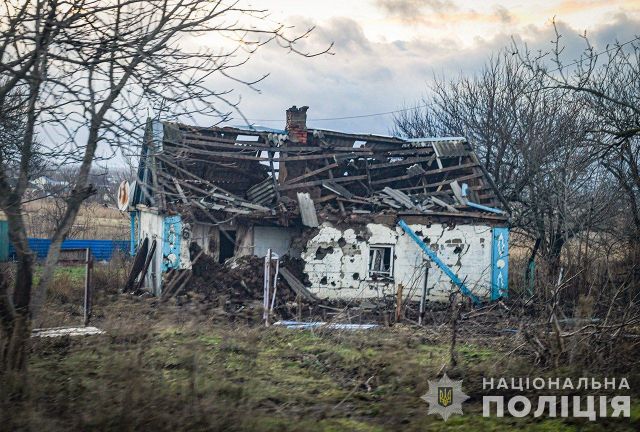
{"x":399,"y":303}
{"x":87,"y":286}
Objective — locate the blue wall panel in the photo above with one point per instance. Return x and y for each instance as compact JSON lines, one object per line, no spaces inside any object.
{"x":4,"y":240}
{"x":500,"y":263}
{"x":101,"y":249}
{"x":172,"y":233}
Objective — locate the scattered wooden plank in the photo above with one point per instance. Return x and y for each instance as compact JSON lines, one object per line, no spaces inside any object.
{"x":230,"y":198}
{"x":147,"y":262}
{"x":407,"y":161}
{"x":431,"y":172}
{"x":457,"y":192}
{"x":297,"y":286}
{"x":475,"y":215}
{"x":340,"y":204}
{"x":65,"y":331}
{"x":311,"y":173}
{"x":440,"y":183}
{"x":319,"y":182}
{"x":363,"y":137}
{"x":243,"y":156}
{"x":416,"y":170}
{"x":444,"y":204}
{"x":180,"y":191}
{"x":138,"y":264}
{"x":399,"y":197}
{"x":177,"y":283}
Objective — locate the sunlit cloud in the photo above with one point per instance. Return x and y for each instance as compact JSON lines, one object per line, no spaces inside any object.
{"x":386,"y":52}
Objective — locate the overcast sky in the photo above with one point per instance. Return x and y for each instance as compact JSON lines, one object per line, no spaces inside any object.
{"x":386,"y":51}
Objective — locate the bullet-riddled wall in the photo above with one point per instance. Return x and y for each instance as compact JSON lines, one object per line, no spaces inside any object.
{"x":353,"y":262}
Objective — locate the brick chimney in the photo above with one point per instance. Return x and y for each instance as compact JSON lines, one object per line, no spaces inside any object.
{"x":297,"y":124}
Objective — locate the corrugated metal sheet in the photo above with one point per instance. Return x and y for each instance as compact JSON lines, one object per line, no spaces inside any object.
{"x":307,"y":210}
{"x":262,"y":193}
{"x":101,"y":249}
{"x":449,"y":149}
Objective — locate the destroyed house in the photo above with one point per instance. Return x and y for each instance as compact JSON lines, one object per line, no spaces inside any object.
{"x":360,"y":213}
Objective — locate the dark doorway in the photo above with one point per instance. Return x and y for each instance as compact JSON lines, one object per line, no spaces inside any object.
{"x":227,"y":245}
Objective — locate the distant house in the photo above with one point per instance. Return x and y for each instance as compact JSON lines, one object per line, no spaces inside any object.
{"x":364,"y":213}
{"x":44,"y":182}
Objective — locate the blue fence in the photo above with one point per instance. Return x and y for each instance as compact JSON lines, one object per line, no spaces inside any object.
{"x":101,"y":249}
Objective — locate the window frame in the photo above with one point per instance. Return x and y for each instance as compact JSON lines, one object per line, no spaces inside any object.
{"x":388,"y":275}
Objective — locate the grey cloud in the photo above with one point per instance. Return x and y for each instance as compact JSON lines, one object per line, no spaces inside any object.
{"x":624,"y":30}
{"x":345,"y":33}
{"x":504,"y":14}
{"x":365,"y":76}
{"x":414,"y":10}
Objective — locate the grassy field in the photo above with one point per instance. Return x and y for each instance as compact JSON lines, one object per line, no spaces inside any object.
{"x":169,"y":366}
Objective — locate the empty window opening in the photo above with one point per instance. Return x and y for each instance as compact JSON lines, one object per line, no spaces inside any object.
{"x":381,"y":261}
{"x":227,"y":245}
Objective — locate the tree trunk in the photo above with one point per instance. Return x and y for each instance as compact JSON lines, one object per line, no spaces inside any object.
{"x":554,"y":254}
{"x":15,"y":315}
{"x":53,"y":255}
{"x":81,"y":192}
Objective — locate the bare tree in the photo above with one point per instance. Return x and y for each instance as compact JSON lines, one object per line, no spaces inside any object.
{"x":534,"y":143}
{"x":607,"y":84}
{"x":88,"y":72}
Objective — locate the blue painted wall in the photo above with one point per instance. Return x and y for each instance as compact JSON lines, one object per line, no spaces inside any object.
{"x":172,"y":233}
{"x":133,"y":235}
{"x":500,"y":263}
{"x":101,"y":249}
{"x":4,"y":240}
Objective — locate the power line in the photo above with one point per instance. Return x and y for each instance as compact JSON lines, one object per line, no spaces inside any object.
{"x":425,"y":105}
{"x":348,"y":117}
{"x":575,"y":62}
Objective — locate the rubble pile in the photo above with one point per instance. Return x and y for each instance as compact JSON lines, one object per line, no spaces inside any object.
{"x":235,"y":286}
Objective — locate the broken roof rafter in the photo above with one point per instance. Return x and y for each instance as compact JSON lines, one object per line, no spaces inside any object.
{"x":350,"y":170}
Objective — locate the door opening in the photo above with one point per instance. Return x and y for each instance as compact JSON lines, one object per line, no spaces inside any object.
{"x":227,"y":245}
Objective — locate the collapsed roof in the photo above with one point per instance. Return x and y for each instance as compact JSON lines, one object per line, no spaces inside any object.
{"x":278,"y":175}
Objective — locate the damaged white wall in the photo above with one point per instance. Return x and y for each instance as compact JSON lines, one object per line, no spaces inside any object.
{"x":150,"y":226}
{"x":337,"y":261}
{"x":200,"y":234}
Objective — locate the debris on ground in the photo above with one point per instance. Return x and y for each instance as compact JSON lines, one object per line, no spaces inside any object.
{"x":65,"y":331}
{"x":235,"y":287}
{"x":323,"y":325}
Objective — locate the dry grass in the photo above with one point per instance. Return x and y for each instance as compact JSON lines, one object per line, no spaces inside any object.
{"x":182,"y":365}
{"x":169,"y":367}
{"x":94,"y":221}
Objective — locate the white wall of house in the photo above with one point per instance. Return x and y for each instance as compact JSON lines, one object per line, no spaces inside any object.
{"x":150,"y":226}
{"x":338,"y":261}
{"x":279,"y":239}
{"x":200,"y":233}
